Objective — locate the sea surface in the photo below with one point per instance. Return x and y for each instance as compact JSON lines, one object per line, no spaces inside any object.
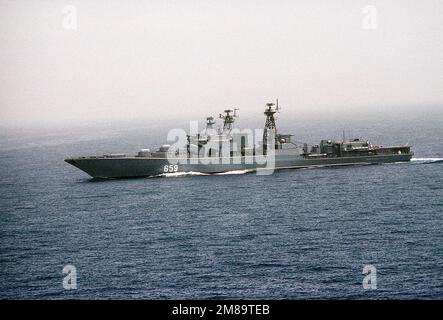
{"x":296,"y":234}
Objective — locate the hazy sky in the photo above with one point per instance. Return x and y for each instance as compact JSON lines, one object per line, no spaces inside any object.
{"x":157,"y":59}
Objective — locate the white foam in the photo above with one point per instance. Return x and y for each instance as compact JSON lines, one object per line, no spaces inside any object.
{"x":426,"y":160}
{"x":193,"y":173}
{"x":233,"y":172}
{"x":181,"y":174}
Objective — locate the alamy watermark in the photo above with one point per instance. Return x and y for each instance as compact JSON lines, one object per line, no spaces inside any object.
{"x":70,"y":278}
{"x":370,"y":279}
{"x":240,"y":148}
{"x":69,"y":21}
{"x":369,"y":21}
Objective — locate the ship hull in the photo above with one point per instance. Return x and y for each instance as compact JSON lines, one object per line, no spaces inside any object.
{"x":138,"y":167}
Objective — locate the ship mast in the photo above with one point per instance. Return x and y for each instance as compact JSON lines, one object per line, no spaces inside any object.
{"x":270,"y":126}
{"x":228,"y":119}
{"x":209,"y":123}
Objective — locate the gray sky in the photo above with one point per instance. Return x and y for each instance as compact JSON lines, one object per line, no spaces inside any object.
{"x":132,"y":60}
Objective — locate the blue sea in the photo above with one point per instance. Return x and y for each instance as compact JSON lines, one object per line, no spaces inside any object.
{"x":296,"y":234}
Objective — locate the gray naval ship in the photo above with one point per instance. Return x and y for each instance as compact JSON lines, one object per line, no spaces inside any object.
{"x":228,"y":149}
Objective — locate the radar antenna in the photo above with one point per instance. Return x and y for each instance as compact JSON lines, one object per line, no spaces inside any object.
{"x":228,"y":117}
{"x":209,"y":123}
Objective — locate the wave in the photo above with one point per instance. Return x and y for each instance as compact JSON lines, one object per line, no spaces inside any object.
{"x":193,"y":173}
{"x":233,"y":172}
{"x":181,"y":174}
{"x":426,"y":160}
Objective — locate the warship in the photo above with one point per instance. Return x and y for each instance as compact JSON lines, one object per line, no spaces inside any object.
{"x":228,"y":149}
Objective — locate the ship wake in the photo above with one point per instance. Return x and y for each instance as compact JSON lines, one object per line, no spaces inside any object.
{"x":233,"y":172}
{"x":193,"y":173}
{"x":181,"y":174}
{"x":426,"y":160}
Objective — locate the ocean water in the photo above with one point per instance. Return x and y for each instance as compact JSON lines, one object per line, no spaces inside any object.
{"x":297,"y":234}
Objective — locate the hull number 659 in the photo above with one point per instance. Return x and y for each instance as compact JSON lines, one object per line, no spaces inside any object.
{"x":170,"y":168}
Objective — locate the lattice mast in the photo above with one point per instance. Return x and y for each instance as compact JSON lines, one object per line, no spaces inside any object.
{"x":228,"y":117}
{"x":270,"y":131}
